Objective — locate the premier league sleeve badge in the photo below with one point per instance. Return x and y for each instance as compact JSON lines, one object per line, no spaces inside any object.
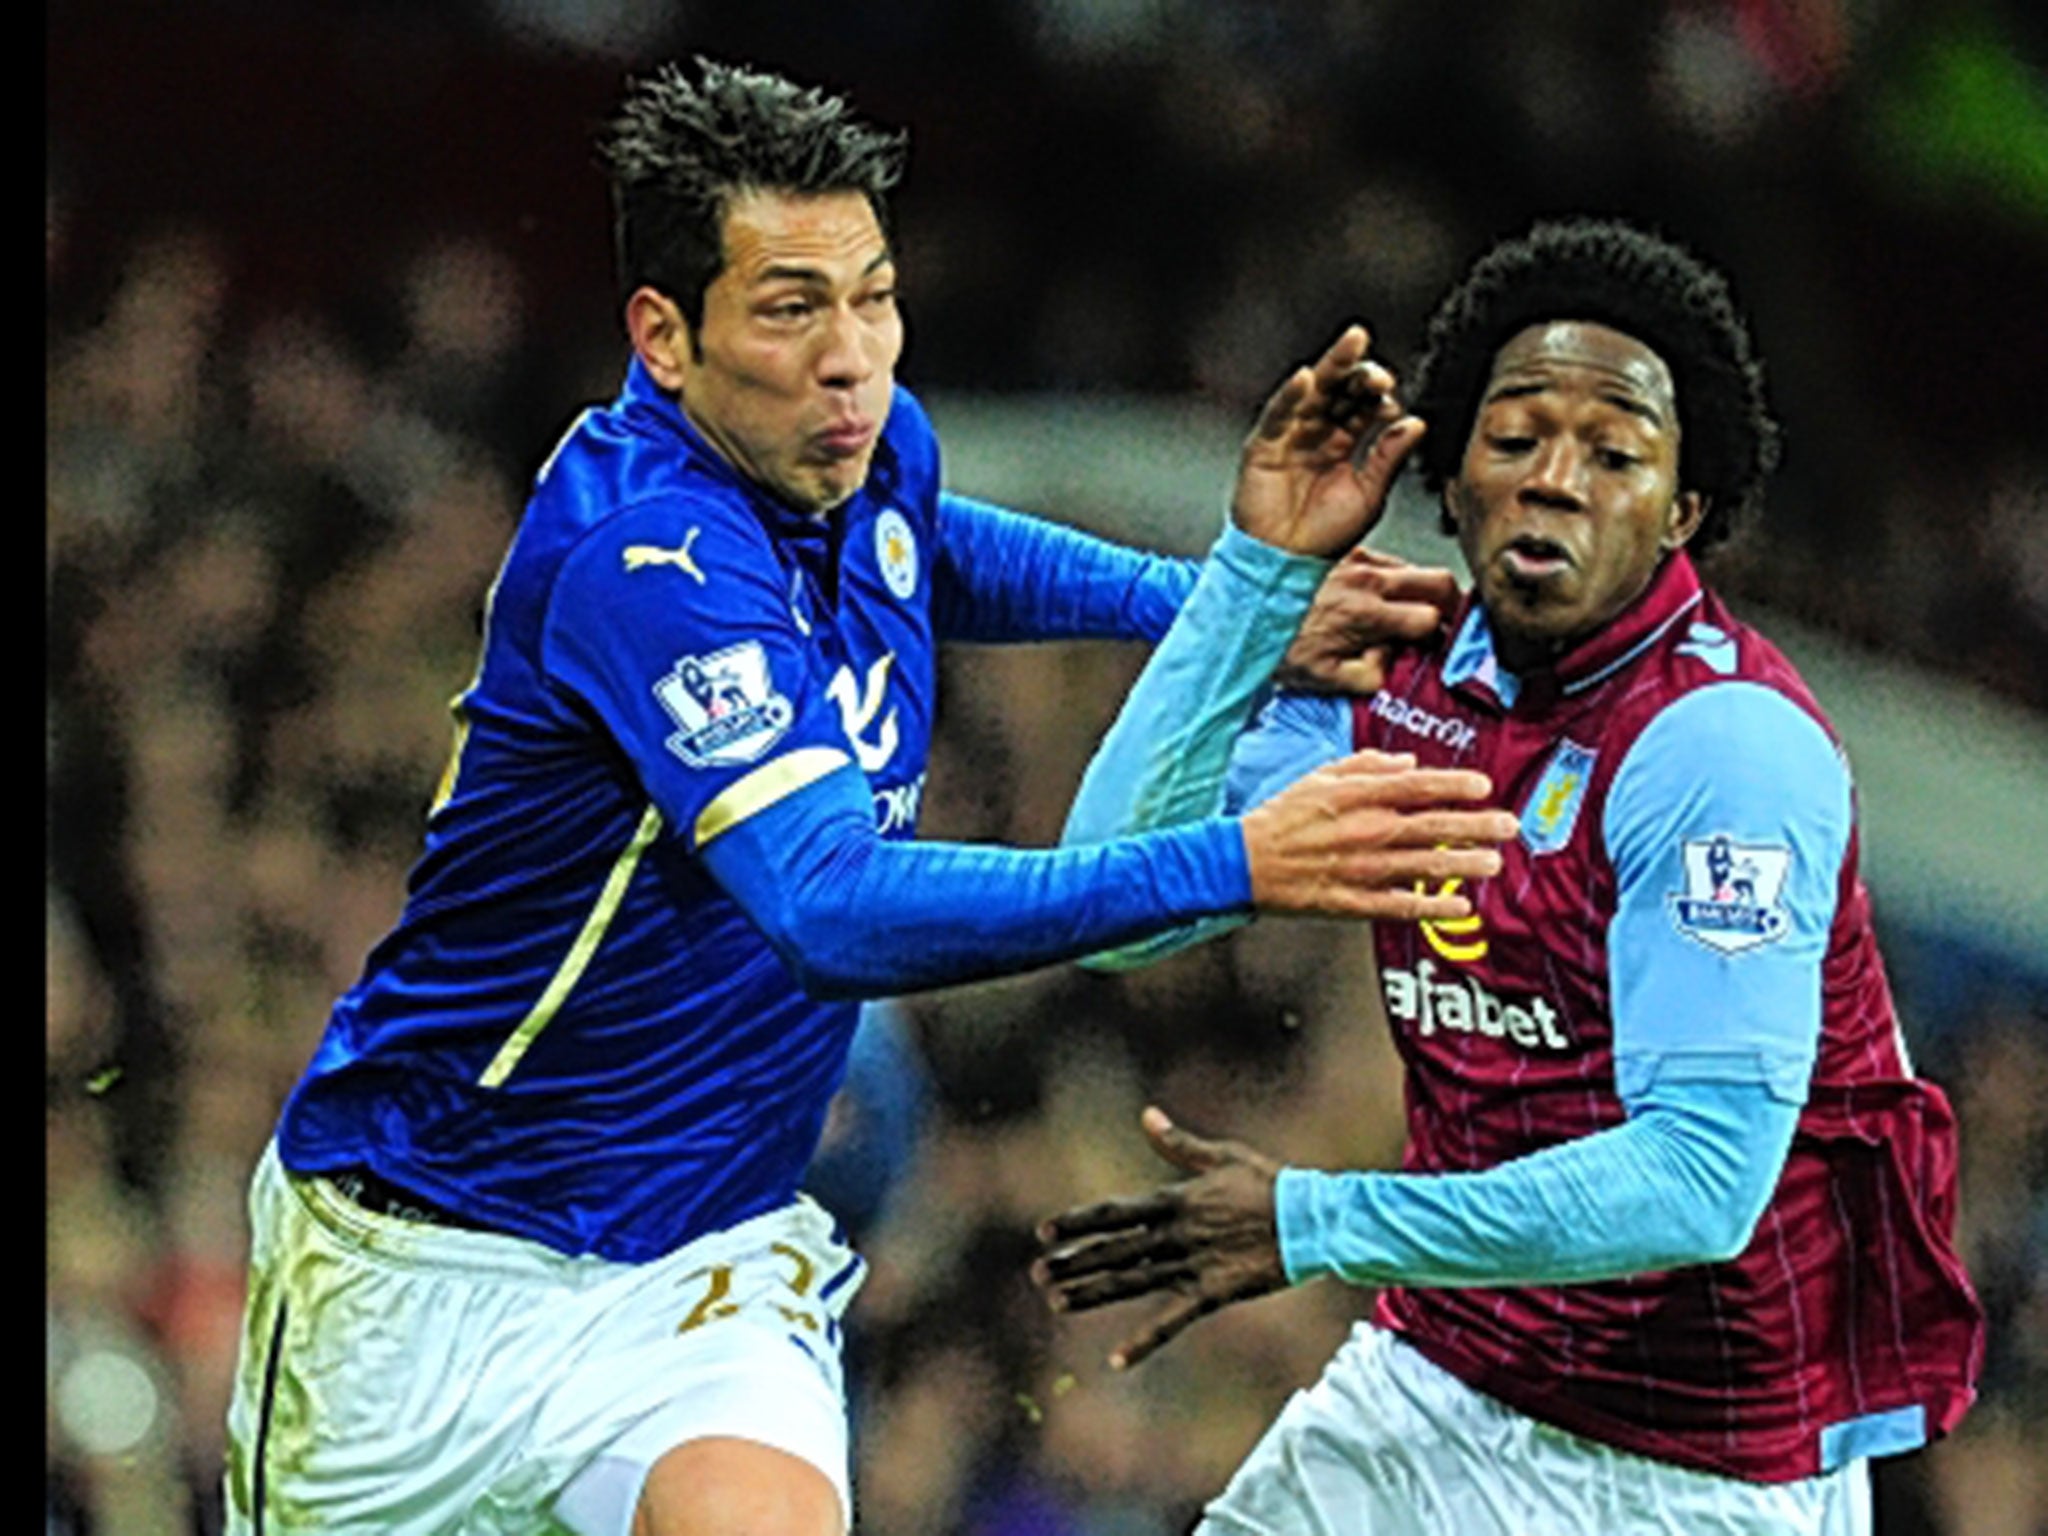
{"x":1732,"y":896}
{"x":725,"y":706}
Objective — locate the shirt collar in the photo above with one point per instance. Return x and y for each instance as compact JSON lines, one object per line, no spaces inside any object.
{"x":1472,"y":665}
{"x":647,"y":404}
{"x":1472,"y":660}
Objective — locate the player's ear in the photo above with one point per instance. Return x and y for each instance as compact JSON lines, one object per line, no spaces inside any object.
{"x":660,"y":336}
{"x":1688,"y":511}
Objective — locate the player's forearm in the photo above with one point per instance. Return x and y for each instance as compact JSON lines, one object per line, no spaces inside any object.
{"x":854,"y":915}
{"x":1165,"y":759}
{"x":1003,"y":576}
{"x":1682,"y":1182}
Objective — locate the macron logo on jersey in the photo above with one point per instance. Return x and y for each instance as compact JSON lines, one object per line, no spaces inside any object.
{"x":1711,"y":644}
{"x":1399,"y":713}
{"x":1461,"y":1005}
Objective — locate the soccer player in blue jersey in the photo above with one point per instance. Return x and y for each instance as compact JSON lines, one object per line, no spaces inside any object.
{"x":528,"y":1248}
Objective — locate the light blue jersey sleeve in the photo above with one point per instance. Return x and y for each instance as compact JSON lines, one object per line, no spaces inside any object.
{"x":1726,"y":825}
{"x":1171,"y":756}
{"x":1294,"y":734}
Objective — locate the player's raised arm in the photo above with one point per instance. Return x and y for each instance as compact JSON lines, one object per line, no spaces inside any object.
{"x":1313,"y":478}
{"x":1314,"y":474}
{"x":1316,"y":468}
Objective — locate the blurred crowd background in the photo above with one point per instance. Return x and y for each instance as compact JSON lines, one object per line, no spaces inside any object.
{"x":325,"y":282}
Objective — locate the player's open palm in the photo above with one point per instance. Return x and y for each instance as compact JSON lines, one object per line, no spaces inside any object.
{"x":1210,"y":1240}
{"x":1317,"y":466}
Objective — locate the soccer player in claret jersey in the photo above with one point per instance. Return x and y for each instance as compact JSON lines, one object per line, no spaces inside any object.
{"x":1670,"y":1248}
{"x":528,"y":1249}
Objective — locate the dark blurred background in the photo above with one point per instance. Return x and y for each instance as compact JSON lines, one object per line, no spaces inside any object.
{"x":325,"y":282}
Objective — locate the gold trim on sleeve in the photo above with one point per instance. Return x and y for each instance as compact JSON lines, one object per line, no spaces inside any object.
{"x":767,"y":784}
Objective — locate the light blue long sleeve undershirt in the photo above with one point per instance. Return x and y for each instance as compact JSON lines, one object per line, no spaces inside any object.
{"x":1166,"y":758}
{"x":1713,"y":1050}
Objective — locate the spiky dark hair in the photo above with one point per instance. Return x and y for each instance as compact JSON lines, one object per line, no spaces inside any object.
{"x":680,"y":149}
{"x":1642,"y":284}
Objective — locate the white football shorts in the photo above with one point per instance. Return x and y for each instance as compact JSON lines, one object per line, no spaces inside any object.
{"x":400,"y":1379}
{"x":1387,"y":1441}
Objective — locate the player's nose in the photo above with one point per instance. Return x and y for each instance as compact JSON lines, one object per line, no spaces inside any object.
{"x":846,"y":359}
{"x":1555,"y":476}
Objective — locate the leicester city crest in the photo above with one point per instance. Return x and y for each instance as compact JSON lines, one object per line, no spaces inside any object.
{"x":724,"y":705}
{"x":896,"y":552}
{"x":1732,"y":899}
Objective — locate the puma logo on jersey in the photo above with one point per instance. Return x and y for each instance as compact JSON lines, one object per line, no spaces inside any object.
{"x":639,"y":556}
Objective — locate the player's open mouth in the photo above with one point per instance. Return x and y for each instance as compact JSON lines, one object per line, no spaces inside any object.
{"x":1531,"y":557}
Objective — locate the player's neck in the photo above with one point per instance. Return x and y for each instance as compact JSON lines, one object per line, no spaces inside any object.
{"x":1526,"y":654}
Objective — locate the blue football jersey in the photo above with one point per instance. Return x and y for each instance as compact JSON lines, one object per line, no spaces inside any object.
{"x":572,"y":1033}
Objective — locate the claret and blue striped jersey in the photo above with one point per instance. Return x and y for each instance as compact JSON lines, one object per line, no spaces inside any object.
{"x":573,"y":1033}
{"x":1684,"y":904}
{"x":1670,"y":1182}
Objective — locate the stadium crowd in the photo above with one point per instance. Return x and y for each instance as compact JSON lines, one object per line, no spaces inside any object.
{"x":272,"y":514}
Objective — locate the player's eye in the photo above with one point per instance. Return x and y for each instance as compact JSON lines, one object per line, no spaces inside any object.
{"x":878,"y":299}
{"x":790,"y":309}
{"x":1615,"y":459}
{"x":1507,"y":442}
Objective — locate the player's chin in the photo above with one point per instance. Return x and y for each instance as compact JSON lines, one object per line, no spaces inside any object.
{"x":821,"y":487}
{"x":1542,"y":611}
{"x":836,"y":480}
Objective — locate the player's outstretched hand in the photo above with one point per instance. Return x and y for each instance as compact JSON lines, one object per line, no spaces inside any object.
{"x":1211,"y":1239}
{"x":1372,"y":835}
{"x":1317,"y":465}
{"x":1368,"y":604}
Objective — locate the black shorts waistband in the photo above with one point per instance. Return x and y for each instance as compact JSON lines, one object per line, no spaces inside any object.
{"x":380,"y":1197}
